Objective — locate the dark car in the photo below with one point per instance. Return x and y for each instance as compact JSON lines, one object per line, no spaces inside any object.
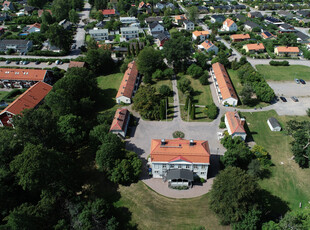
{"x":294,"y":99}
{"x":302,"y":81}
{"x":7,"y":62}
{"x":283,"y":99}
{"x":37,"y":62}
{"x":17,"y":63}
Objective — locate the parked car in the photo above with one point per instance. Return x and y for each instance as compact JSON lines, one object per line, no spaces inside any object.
{"x":73,"y":46}
{"x":21,"y":62}
{"x":26,"y":62}
{"x":297,"y":81}
{"x":49,"y":63}
{"x":37,"y":62}
{"x":294,"y":99}
{"x":58,"y":62}
{"x":302,"y":81}
{"x":283,"y":99}
{"x":7,"y":62}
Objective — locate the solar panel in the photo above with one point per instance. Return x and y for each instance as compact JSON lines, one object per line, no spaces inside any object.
{"x":268,"y":34}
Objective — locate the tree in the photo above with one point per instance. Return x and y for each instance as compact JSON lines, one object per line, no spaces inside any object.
{"x":158,"y":74}
{"x":255,"y":169}
{"x":185,"y":85}
{"x":168,"y":73}
{"x":193,"y":111}
{"x":133,"y":11}
{"x":195,"y":71}
{"x":246,"y":94}
{"x":165,"y":90}
{"x":59,"y":37}
{"x":308,"y":112}
{"x":250,"y":221}
{"x":192,"y":13}
{"x":211,"y":111}
{"x":233,"y":194}
{"x":99,"y":61}
{"x":162,"y":111}
{"x":177,"y":51}
{"x":147,"y":102}
{"x":201,"y":60}
{"x":47,"y":18}
{"x":204,"y":79}
{"x":167,"y":22}
{"x":37,"y":3}
{"x":60,"y":9}
{"x":149,"y":60}
{"x":73,"y":16}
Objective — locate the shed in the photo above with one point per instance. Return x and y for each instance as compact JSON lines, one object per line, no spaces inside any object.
{"x":273,"y":124}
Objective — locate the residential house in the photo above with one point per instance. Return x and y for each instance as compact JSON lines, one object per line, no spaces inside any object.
{"x":286,"y":51}
{"x":203,"y":9}
{"x":162,"y":5}
{"x":303,"y":13}
{"x":29,"y":9}
{"x":254,"y":48}
{"x":40,"y":12}
{"x":225,"y":91}
{"x":66,"y":24}
{"x":255,"y":14}
{"x":28,"y":100}
{"x":202,"y":35}
{"x":120,"y":122}
{"x":108,"y":12}
{"x":21,"y":46}
{"x":129,"y":32}
{"x":143,"y":5}
{"x":286,"y":28}
{"x":229,"y":25}
{"x":171,"y":157}
{"x":129,"y":84}
{"x":153,"y":11}
{"x":240,"y":18}
{"x":76,"y":64}
{"x":7,"y":5}
{"x":100,"y":24}
{"x":4,"y":16}
{"x":239,"y":37}
{"x":237,"y":7}
{"x":217,"y":18}
{"x":23,"y":78}
{"x":20,"y":13}
{"x":153,"y":19}
{"x":249,"y":26}
{"x":188,"y":25}
{"x":267,"y":35}
{"x":128,"y":20}
{"x":34,"y":28}
{"x":156,"y":27}
{"x":235,"y":125}
{"x":220,"y":7}
{"x":48,"y":46}
{"x":301,"y":37}
{"x":285,"y":14}
{"x":99,"y":34}
{"x":161,"y":39}
{"x":272,"y":20}
{"x":274,"y":124}
{"x":179,"y":19}
{"x":208,"y":47}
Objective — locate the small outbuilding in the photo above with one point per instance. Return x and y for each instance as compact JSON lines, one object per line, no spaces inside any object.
{"x":274,"y":124}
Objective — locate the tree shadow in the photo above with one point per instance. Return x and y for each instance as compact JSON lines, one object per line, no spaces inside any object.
{"x":123,"y":215}
{"x":249,"y":137}
{"x":132,"y":147}
{"x":215,"y":166}
{"x":106,"y":99}
{"x":134,"y":121}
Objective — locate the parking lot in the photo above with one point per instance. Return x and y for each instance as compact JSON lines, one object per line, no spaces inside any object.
{"x":33,"y":65}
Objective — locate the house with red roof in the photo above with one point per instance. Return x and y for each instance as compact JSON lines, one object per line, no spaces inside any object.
{"x":120,"y":122}
{"x":28,"y":100}
{"x":229,"y":25}
{"x":34,"y":28}
{"x":179,"y":160}
{"x":208,"y":46}
{"x":76,"y":64}
{"x":129,"y":84}
{"x":235,"y":125}
{"x":7,"y":5}
{"x":108,"y":12}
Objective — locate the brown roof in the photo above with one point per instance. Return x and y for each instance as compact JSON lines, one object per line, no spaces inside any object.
{"x":286,"y":49}
{"x":29,"y":99}
{"x":22,"y":74}
{"x":259,"y":46}
{"x":199,"y":33}
{"x":234,"y":122}
{"x":207,"y":44}
{"x":108,"y":12}
{"x":240,"y":36}
{"x":180,"y":17}
{"x":128,"y":83}
{"x":37,"y":25}
{"x":229,"y":22}
{"x":223,"y":80}
{"x":179,"y":148}
{"x":120,"y":120}
{"x":77,"y":64}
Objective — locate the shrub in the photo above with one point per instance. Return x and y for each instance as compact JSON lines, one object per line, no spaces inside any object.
{"x":212,"y":111}
{"x":223,"y":118}
{"x":165,"y":90}
{"x":185,"y":85}
{"x":204,"y":79}
{"x":279,"y":63}
{"x":308,"y":112}
{"x":178,"y":134}
{"x":222,"y":125}
{"x":202,"y":180}
{"x":195,"y":71}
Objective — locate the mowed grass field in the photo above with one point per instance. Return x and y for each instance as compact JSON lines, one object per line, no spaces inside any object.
{"x":150,"y":210}
{"x":288,"y":181}
{"x":284,"y":73}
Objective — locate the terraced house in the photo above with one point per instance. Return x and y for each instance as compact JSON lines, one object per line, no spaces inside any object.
{"x":287,"y":51}
{"x":129,"y":32}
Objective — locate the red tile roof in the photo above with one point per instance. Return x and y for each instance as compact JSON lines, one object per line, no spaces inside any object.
{"x":286,"y":49}
{"x":120,"y":120}
{"x":22,"y":74}
{"x":29,"y":99}
{"x":207,"y":44}
{"x":228,"y":22}
{"x":6,"y":3}
{"x":199,"y":33}
{"x":234,"y":122}
{"x":223,"y":80}
{"x":78,"y":64}
{"x":240,"y":36}
{"x":128,"y":83}
{"x":36,"y":25}
{"x":108,"y":12}
{"x":180,"y":149}
{"x":259,"y":46}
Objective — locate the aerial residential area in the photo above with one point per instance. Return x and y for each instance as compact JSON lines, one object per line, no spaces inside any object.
{"x":123,"y":114}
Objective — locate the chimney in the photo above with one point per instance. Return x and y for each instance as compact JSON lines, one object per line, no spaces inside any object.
{"x":191,"y":142}
{"x":163,"y":141}
{"x":242,"y":121}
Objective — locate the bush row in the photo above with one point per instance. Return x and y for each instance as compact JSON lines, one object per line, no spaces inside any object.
{"x":279,"y":63}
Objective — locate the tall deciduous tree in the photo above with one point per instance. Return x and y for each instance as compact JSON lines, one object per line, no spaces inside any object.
{"x":59,"y":37}
{"x":37,"y":3}
{"x":60,"y":9}
{"x":73,"y":16}
{"x":192,"y":13}
{"x":100,"y":61}
{"x":149,"y":60}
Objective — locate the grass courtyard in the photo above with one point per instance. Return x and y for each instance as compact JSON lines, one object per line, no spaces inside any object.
{"x":150,"y":210}
{"x":284,"y":73}
{"x":288,"y":181}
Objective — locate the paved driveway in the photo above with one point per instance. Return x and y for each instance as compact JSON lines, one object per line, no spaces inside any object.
{"x":290,"y":88}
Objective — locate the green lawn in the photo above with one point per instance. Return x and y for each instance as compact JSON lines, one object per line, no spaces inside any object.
{"x":153,"y":211}
{"x":284,"y":73}
{"x":288,"y":180}
{"x":3,"y":94}
{"x":87,"y":38}
{"x":109,"y":86}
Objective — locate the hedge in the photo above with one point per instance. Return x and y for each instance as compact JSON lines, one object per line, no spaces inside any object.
{"x":279,"y":63}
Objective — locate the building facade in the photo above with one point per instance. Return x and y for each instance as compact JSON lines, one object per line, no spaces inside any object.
{"x":21,"y":46}
{"x":129,"y":32}
{"x":235,"y":125}
{"x":99,"y":34}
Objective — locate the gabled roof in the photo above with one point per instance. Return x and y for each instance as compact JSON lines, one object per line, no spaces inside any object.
{"x":216,"y":17}
{"x":180,"y":17}
{"x":256,"y":14}
{"x":240,"y":36}
{"x":162,"y":36}
{"x":6,"y":3}
{"x":252,"y":24}
{"x":120,"y":120}
{"x":207,"y":44}
{"x":228,"y":22}
{"x":286,"y":49}
{"x":234,"y":122}
{"x":36,"y":25}
{"x":223,"y":80}
{"x":78,"y":64}
{"x":267,"y":34}
{"x":180,"y":149}
{"x":256,"y":46}
{"x":22,"y":74}
{"x":187,"y":22}
{"x":274,"y":122}
{"x":154,"y":24}
{"x":108,"y":12}
{"x":29,"y":99}
{"x":128,"y":83}
{"x":302,"y":36}
{"x":199,"y":33}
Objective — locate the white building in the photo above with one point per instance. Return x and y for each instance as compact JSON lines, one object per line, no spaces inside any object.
{"x":274,"y":124}
{"x":188,"y":25}
{"x":128,"y":20}
{"x":229,"y":25}
{"x":99,"y":34}
{"x":235,"y":125}
{"x":129,"y":32}
{"x":35,"y":28}
{"x":120,"y":122}
{"x":178,"y":154}
{"x":156,"y":27}
{"x":202,"y":35}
